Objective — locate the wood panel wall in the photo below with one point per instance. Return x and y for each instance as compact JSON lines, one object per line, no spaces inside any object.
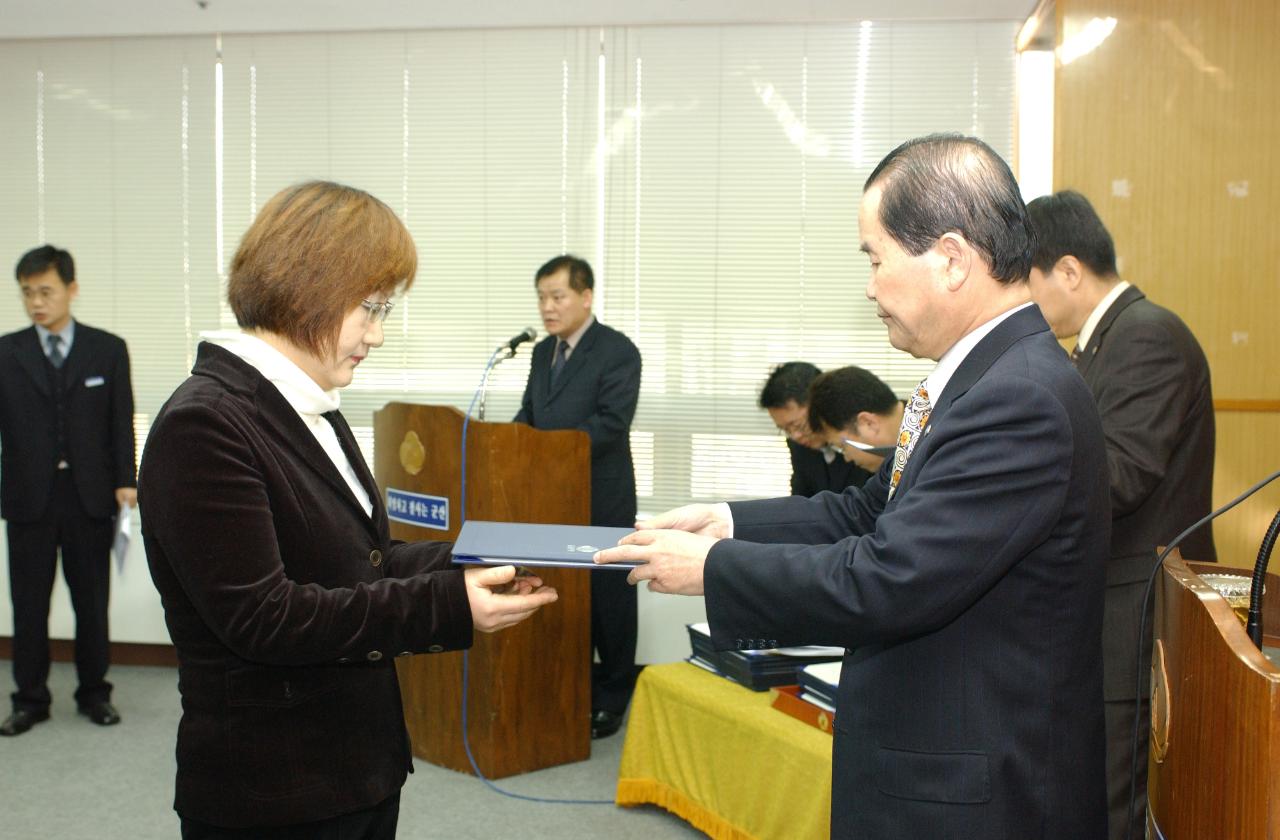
{"x":1171,"y":127}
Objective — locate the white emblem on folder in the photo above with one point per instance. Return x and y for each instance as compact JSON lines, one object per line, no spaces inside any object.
{"x":94,"y":382}
{"x":585,"y":549}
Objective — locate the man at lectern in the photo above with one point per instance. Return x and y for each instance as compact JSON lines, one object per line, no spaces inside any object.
{"x":1151,"y":382}
{"x":965,"y":578}
{"x":267,"y":539}
{"x":585,"y":375}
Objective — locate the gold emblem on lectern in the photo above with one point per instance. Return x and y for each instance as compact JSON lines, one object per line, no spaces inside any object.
{"x":412,"y":453}
{"x":824,"y":722}
{"x":1161,"y":712}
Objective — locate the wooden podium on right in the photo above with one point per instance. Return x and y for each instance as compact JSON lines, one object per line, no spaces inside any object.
{"x":1214,"y":766}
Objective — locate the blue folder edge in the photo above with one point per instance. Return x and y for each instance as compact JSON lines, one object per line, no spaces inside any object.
{"x":535,"y":544}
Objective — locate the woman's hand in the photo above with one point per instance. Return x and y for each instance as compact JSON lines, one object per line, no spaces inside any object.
{"x":500,"y":599}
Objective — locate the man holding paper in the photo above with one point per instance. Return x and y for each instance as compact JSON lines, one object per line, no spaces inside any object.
{"x":965,"y":578}
{"x":66,"y":468}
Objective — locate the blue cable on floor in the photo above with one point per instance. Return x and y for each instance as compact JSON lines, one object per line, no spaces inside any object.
{"x":466,"y":743}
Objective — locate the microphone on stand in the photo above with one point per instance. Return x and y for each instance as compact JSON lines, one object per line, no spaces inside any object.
{"x":529,"y":334}
{"x":505,"y":351}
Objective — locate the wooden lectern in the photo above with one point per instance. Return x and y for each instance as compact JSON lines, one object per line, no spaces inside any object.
{"x":1214,"y":766}
{"x":529,"y":686}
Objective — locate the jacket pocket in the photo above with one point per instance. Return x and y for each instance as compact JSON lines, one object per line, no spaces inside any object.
{"x":282,"y":731}
{"x":962,"y":778}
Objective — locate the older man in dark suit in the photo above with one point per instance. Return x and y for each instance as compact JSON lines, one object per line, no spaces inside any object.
{"x":965,"y":578}
{"x":66,"y":465}
{"x":1151,"y":382}
{"x":586,"y":376}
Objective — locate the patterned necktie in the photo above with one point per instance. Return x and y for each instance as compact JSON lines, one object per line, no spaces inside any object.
{"x":55,"y":350}
{"x":562,"y":356}
{"x":914,"y":418}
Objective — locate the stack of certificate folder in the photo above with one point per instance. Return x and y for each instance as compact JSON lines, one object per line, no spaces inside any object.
{"x":757,"y":670}
{"x":819,"y":684}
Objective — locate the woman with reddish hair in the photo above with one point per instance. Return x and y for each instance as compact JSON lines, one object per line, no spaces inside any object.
{"x":284,"y":594}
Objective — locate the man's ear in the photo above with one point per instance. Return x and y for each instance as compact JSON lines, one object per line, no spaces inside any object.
{"x":959,"y":256}
{"x":1070,"y":272}
{"x":869,"y":420}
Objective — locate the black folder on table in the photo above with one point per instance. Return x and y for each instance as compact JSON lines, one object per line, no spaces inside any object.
{"x":528,"y":544}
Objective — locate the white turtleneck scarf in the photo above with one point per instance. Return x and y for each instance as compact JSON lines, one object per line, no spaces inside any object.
{"x":301,"y":392}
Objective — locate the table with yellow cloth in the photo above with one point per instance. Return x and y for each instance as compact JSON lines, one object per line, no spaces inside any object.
{"x":720,"y":757}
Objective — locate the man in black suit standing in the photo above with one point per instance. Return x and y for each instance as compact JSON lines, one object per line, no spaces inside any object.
{"x":66,"y":466}
{"x":586,"y":376}
{"x":1151,"y":382}
{"x":814,"y":465}
{"x":965,"y":578}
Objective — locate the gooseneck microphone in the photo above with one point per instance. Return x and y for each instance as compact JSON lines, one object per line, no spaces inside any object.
{"x":529,"y":334}
{"x":505,"y":351}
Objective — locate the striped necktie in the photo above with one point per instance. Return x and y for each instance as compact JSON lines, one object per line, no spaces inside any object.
{"x":914,"y":418}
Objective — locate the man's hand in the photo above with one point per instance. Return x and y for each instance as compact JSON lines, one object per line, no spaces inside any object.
{"x":126,"y":496}
{"x":672,"y":560}
{"x":499,"y":599}
{"x":707,"y":520}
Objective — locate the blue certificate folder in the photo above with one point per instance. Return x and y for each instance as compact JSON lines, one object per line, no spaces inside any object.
{"x":526,"y":544}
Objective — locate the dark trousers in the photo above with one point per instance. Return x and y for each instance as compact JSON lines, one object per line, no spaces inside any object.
{"x":86,"y":566}
{"x":1119,"y":717}
{"x":376,"y":823}
{"x":613,"y":635}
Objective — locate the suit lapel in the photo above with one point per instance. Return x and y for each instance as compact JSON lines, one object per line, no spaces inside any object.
{"x":280,"y":421}
{"x":78,"y":359}
{"x":1120,"y":304}
{"x":349,"y":445}
{"x":1013,"y":329}
{"x":288,"y":428}
{"x":32,"y":360}
{"x":577,"y":360}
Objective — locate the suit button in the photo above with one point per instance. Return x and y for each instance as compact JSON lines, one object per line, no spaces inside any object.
{"x":374,"y":655}
{"x":739,"y":644}
{"x":435,"y":649}
{"x":773,"y":643}
{"x":375,"y":557}
{"x":405,"y":653}
{"x":288,"y":690}
{"x":343,"y":660}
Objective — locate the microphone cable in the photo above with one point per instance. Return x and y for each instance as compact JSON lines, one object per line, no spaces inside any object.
{"x":1142,"y":625}
{"x":466,"y":743}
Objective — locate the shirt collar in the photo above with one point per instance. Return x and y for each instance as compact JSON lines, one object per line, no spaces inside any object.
{"x":1095,"y":317}
{"x":67,"y":334}
{"x":573,"y":339}
{"x":936,"y":382}
{"x":298,"y":389}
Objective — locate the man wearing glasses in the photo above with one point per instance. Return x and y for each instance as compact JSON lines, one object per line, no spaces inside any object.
{"x":66,"y":467}
{"x":815,"y":465}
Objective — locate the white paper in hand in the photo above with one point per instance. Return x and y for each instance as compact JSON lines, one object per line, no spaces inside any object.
{"x":120,"y":545}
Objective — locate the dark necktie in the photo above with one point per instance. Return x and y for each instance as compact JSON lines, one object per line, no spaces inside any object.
{"x":562,"y":356}
{"x":55,"y":350}
{"x":1075,"y":353}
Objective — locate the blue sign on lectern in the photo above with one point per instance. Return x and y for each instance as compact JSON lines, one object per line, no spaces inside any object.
{"x":418,"y":509}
